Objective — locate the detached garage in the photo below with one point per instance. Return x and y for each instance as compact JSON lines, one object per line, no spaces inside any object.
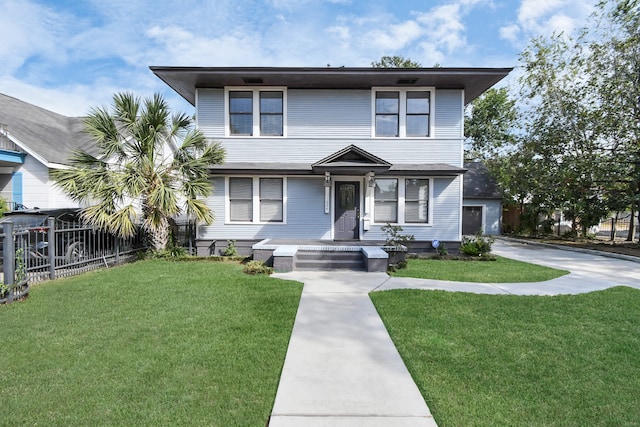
{"x":482,"y":201}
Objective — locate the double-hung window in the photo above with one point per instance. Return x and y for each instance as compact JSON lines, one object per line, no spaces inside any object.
{"x":255,"y":112}
{"x":271,"y":200}
{"x":259,"y":200}
{"x":387,"y":113}
{"x":403,"y":113}
{"x":241,"y":199}
{"x":416,"y":200}
{"x":241,"y":113}
{"x":401,"y":200}
{"x":386,"y":200}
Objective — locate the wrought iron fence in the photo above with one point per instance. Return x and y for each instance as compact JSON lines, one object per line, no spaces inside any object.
{"x":618,"y":226}
{"x":59,"y":249}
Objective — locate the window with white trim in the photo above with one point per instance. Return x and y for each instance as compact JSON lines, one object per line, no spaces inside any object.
{"x":401,"y":200}
{"x":241,"y":199}
{"x":402,"y":113}
{"x":386,"y":200}
{"x":256,"y":199}
{"x":255,"y":112}
{"x":416,"y":200}
{"x":271,"y":200}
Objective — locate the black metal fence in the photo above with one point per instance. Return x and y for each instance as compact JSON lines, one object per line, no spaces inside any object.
{"x":58,"y":249}
{"x":617,"y":227}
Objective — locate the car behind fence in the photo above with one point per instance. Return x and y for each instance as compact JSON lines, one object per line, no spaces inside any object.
{"x":57,"y":249}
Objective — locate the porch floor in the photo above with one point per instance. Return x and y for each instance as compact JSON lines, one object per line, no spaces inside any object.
{"x":317,"y":244}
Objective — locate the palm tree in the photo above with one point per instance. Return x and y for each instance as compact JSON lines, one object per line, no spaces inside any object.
{"x":150,"y":167}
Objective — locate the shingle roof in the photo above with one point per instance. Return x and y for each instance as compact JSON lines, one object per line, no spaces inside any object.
{"x":478,"y":183}
{"x":50,"y":135}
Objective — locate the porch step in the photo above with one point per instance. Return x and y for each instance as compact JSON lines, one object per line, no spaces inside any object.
{"x":329,"y":260}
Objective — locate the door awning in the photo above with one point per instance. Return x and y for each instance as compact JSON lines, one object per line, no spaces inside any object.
{"x":351,"y":159}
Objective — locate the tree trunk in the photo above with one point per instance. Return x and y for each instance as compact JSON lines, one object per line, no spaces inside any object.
{"x":160,"y":236}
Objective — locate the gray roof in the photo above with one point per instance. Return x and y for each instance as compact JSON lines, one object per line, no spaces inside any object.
{"x":50,"y":135}
{"x":478,"y":183}
{"x":185,"y":80}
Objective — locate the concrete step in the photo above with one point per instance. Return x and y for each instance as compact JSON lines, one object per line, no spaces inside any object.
{"x":329,"y":260}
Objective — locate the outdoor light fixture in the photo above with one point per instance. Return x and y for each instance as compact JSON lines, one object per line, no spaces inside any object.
{"x":372,"y":179}
{"x":327,"y":179}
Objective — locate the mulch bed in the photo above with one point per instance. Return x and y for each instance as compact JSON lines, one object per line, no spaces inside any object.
{"x":618,"y":246}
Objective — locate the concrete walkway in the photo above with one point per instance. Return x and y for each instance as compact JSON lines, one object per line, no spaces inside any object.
{"x":588,"y":272}
{"x":341,"y":367}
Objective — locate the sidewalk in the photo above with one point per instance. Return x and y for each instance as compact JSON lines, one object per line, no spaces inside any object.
{"x":341,"y":368}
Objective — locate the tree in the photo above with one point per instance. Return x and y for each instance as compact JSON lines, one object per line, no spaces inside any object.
{"x":614,"y":70}
{"x":395,"y":62}
{"x":490,"y":125}
{"x":151,"y":166}
{"x":561,"y":128}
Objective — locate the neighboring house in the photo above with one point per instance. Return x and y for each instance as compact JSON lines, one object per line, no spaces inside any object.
{"x":33,"y":141}
{"x":482,"y":204}
{"x":333,"y":154}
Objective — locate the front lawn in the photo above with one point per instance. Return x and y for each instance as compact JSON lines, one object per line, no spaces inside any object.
{"x":502,"y":270}
{"x":487,"y":360}
{"x":151,"y":343}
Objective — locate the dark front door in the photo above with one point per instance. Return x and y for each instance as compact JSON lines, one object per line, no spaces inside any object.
{"x":471,"y":219}
{"x":347,"y":212}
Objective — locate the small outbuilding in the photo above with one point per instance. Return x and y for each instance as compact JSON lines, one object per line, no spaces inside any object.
{"x":482,"y":201}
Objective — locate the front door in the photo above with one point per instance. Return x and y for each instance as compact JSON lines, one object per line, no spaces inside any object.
{"x":347,"y":210}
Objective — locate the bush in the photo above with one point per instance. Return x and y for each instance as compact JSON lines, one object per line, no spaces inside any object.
{"x":257,"y":267}
{"x":231,"y":249}
{"x":395,"y":239}
{"x":477,"y":245}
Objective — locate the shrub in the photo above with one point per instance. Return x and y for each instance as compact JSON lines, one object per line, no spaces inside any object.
{"x":231,"y":249}
{"x":477,"y":245}
{"x":395,"y":238}
{"x":257,"y":267}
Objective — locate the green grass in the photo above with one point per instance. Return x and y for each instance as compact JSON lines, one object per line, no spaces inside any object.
{"x":152,"y":343}
{"x":482,"y":360}
{"x":502,"y":270}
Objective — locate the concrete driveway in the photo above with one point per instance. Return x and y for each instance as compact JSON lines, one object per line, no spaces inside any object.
{"x":588,"y":272}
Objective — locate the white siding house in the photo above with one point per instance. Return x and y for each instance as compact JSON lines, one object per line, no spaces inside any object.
{"x":333,"y":154}
{"x":33,"y":141}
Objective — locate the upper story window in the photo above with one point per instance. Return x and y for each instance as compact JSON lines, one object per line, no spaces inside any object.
{"x":255,"y":112}
{"x":241,"y":113}
{"x":403,"y":113}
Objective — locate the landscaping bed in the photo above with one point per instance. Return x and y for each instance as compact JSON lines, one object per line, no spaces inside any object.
{"x":617,"y":246}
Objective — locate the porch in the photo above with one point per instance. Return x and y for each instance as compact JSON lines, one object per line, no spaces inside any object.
{"x":294,"y":254}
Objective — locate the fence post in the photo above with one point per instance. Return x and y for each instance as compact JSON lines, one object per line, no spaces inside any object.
{"x":117,"y":244}
{"x":51,"y":237}
{"x":9,"y":258}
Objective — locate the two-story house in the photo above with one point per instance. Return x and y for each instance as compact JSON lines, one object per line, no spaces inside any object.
{"x":333,"y":154}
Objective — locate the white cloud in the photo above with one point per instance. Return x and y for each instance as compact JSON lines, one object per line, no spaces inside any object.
{"x":27,"y":29}
{"x":545,"y":17}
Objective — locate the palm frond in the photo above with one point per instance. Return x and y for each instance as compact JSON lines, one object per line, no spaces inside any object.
{"x":197,"y":208}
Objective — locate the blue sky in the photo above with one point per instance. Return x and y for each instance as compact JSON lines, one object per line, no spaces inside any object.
{"x":71,"y":55}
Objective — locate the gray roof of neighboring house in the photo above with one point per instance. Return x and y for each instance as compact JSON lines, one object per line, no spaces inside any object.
{"x":185,"y":80}
{"x":50,"y":135}
{"x":478,"y":183}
